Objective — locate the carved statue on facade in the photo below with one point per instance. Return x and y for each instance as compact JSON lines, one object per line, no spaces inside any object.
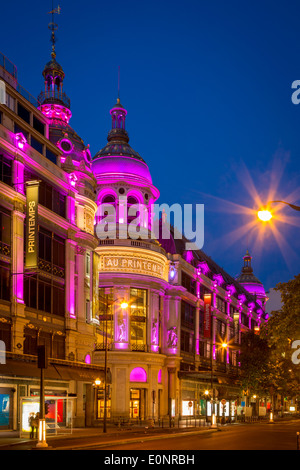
{"x":172,"y":337}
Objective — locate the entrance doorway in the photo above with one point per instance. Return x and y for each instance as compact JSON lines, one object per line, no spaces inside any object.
{"x":137,"y":403}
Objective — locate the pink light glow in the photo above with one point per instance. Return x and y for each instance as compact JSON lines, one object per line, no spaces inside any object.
{"x":21,"y":140}
{"x":138,"y":375}
{"x":87,"y":359}
{"x":159,"y":376}
{"x":154,"y":348}
{"x":56,"y":111}
{"x":121,"y":345}
{"x":120,"y":166}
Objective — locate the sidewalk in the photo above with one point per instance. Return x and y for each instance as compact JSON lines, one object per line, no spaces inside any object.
{"x":10,"y":440}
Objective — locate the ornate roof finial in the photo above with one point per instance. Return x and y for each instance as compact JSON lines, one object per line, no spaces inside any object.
{"x":53,"y":27}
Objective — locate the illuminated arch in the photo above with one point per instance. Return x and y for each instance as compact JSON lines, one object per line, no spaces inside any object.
{"x":138,"y":375}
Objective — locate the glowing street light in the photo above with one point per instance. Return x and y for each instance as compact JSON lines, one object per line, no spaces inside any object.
{"x":264,"y":215}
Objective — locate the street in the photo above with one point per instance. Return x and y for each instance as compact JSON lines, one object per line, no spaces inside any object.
{"x":242,"y":437}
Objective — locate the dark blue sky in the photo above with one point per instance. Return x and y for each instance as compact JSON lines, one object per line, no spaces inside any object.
{"x":207,"y":87}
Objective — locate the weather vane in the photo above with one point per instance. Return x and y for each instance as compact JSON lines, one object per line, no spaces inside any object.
{"x":53,"y":27}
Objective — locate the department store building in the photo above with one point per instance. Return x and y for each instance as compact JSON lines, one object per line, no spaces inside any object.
{"x":166,"y":321}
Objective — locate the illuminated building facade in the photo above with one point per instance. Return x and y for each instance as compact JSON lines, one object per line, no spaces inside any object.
{"x":136,"y":304}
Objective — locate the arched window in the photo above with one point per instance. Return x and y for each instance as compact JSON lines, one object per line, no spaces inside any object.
{"x":138,"y":375}
{"x":106,"y":207}
{"x":131,"y":201}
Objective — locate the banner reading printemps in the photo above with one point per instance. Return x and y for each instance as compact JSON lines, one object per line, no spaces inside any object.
{"x":207,"y":316}
{"x":31,"y":242}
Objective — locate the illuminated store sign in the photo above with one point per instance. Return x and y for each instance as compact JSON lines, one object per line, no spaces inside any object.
{"x":207,"y":316}
{"x":32,"y":198}
{"x":119,"y":262}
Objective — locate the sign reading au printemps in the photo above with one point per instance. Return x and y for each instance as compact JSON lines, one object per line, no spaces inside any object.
{"x":138,"y":265}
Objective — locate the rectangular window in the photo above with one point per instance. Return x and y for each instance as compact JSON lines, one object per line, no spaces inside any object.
{"x":4,"y":281}
{"x":38,"y":125}
{"x":220,"y":304}
{"x":5,"y":232}
{"x":188,"y":313}
{"x":5,"y":335}
{"x":52,"y":199}
{"x":138,"y":319}
{"x":51,"y":156}
{"x":44,"y":294}
{"x":187,"y":342}
{"x":6,"y":170}
{"x":51,"y":253}
{"x":188,"y":282}
{"x":10,"y":102}
{"x":23,"y":113}
{"x":38,"y":146}
{"x":106,"y":318}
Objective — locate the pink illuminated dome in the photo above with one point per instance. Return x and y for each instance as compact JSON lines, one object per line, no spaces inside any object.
{"x":250,"y":282}
{"x":117,"y":160}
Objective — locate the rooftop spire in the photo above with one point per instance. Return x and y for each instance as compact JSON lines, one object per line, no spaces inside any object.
{"x":53,"y":27}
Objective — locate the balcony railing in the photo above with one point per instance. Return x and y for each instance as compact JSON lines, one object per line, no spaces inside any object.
{"x":8,"y":65}
{"x":52,"y":96}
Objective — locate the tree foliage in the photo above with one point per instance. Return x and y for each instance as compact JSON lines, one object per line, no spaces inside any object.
{"x":266,"y":359}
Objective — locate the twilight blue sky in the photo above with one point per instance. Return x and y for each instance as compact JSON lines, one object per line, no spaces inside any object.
{"x":207,"y":87}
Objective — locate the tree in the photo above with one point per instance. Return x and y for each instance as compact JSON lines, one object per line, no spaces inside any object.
{"x":280,"y":332}
{"x":256,"y":372}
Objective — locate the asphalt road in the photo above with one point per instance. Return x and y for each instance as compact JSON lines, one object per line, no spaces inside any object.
{"x":276,"y":436}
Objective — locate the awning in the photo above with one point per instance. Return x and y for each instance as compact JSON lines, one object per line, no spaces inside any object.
{"x":54,"y":371}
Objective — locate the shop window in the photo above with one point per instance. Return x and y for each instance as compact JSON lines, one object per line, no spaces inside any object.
{"x":100,"y":402}
{"x":106,"y":318}
{"x":138,"y":319}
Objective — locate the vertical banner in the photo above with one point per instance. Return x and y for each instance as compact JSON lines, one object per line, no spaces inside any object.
{"x":207,"y":316}
{"x":32,"y":199}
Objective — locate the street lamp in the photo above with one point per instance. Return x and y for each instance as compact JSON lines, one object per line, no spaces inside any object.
{"x":265,"y":214}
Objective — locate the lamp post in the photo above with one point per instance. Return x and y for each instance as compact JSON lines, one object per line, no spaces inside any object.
{"x":265,"y":214}
{"x":123,"y":305}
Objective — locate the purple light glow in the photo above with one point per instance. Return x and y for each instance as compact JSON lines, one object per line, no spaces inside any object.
{"x":138,"y":375}
{"x":219,"y":279}
{"x":121,"y":167}
{"x":87,"y":359}
{"x":20,"y":140}
{"x":56,"y":111}
{"x":154,"y":348}
{"x":121,"y":345}
{"x":159,"y":376}
{"x":203,"y":266}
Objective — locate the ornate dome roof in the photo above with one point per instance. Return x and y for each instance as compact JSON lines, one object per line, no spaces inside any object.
{"x":117,"y":159}
{"x":247,"y":279}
